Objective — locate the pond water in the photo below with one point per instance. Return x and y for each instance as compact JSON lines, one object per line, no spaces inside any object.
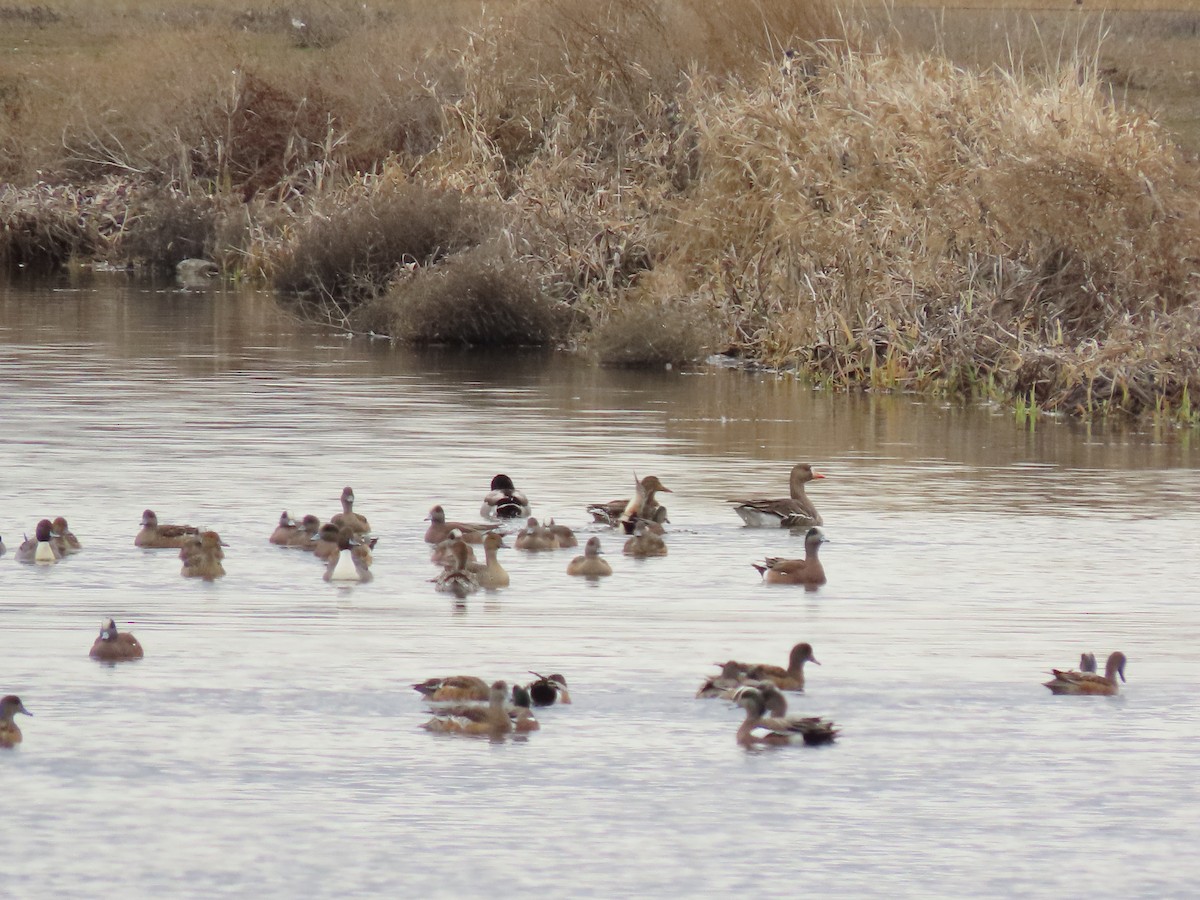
{"x":269,"y":742}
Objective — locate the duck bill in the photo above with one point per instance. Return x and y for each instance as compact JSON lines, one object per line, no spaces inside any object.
{"x":21,"y":709}
{"x":815,"y":661}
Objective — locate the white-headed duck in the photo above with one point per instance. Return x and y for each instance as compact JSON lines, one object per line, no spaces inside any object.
{"x":490,"y":574}
{"x":202,"y":556}
{"x":548,"y":690}
{"x":808,"y":571}
{"x":535,"y":537}
{"x":156,"y":536}
{"x":643,"y":505}
{"x":40,"y":549}
{"x":63,"y":538}
{"x":1068,"y":682}
{"x":115,"y":646}
{"x":453,"y":688}
{"x":10,"y":734}
{"x":758,"y":730}
{"x":590,"y":565}
{"x":645,"y":542}
{"x":795,"y":511}
{"x":439,"y":529}
{"x":348,"y":518}
{"x":285,"y":530}
{"x":306,"y":536}
{"x":494,"y":721}
{"x":504,"y":501}
{"x":352,"y":562}
{"x":789,"y":679}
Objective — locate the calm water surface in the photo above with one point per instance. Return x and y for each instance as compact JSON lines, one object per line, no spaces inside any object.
{"x":269,"y":744}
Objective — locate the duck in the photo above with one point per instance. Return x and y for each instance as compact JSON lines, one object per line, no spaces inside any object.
{"x":795,"y":511}
{"x":643,"y":505}
{"x":115,"y":646}
{"x":439,"y":529}
{"x":40,"y":549}
{"x":1087,"y":662}
{"x":442,"y":554}
{"x":352,"y":562}
{"x":10,"y":734}
{"x":490,"y":574}
{"x":202,"y":556}
{"x":758,"y":730}
{"x":590,"y":565}
{"x":724,"y":684}
{"x":1071,"y":682}
{"x":548,"y":690}
{"x":348,"y":518}
{"x":564,"y":535}
{"x":285,"y":530}
{"x":776,"y":704}
{"x":456,"y":578}
{"x":158,"y":537}
{"x":789,"y":679}
{"x":494,"y":720}
{"x":535,"y":537}
{"x":504,"y":501}
{"x":645,"y":542}
{"x":306,"y":536}
{"x":453,"y":688}
{"x":808,"y":571}
{"x":519,"y":711}
{"x":326,"y":545}
{"x":63,"y":538}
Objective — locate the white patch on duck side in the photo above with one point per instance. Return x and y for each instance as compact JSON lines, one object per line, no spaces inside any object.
{"x":757,"y":518}
{"x":345,"y":570}
{"x":44,"y":553}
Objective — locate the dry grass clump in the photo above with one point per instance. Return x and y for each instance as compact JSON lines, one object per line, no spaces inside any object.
{"x":652,"y":331}
{"x":45,"y":226}
{"x":897,"y":221}
{"x":166,"y":227}
{"x":477,"y":298}
{"x":352,"y":244}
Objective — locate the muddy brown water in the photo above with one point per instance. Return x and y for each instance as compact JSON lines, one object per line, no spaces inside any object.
{"x":269,"y":741}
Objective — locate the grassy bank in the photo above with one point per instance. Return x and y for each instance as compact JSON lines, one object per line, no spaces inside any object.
{"x":899,"y":203}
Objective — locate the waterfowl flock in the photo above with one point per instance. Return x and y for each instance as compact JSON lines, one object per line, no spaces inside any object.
{"x":482,"y":707}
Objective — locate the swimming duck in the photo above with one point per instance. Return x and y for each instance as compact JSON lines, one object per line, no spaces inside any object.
{"x":807,"y":571}
{"x":590,"y":565}
{"x":1089,"y":682}
{"x":494,"y":721}
{"x":504,"y":501}
{"x":352,"y":562}
{"x":726,"y":683}
{"x":519,"y":711}
{"x":548,"y":690}
{"x":456,"y":578}
{"x":285,"y":530}
{"x":115,"y":646}
{"x":489,"y":574}
{"x":535,"y":537}
{"x":326,"y":545}
{"x":155,"y":536}
{"x":792,"y":512}
{"x":789,"y":679}
{"x":564,"y":535}
{"x":202,"y":556}
{"x":439,"y":529}
{"x":775,"y":703}
{"x":645,"y":542}
{"x":643,"y":505}
{"x":348,"y":518}
{"x":453,"y":687}
{"x":758,"y":730}
{"x":10,"y":734}
{"x":40,"y":549}
{"x":63,"y":538}
{"x":306,"y":536}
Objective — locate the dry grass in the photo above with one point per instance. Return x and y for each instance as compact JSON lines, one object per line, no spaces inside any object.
{"x":964,"y":200}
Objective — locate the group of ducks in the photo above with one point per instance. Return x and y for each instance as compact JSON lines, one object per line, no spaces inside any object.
{"x":345,"y":542}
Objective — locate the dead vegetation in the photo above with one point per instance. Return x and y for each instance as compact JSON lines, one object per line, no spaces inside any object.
{"x":878,"y":208}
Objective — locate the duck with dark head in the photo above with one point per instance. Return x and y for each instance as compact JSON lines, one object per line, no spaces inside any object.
{"x":504,"y":501}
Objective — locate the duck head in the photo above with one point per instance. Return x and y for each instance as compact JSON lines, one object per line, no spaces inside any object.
{"x":503,"y":483}
{"x":44,"y":531}
{"x":10,"y":706}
